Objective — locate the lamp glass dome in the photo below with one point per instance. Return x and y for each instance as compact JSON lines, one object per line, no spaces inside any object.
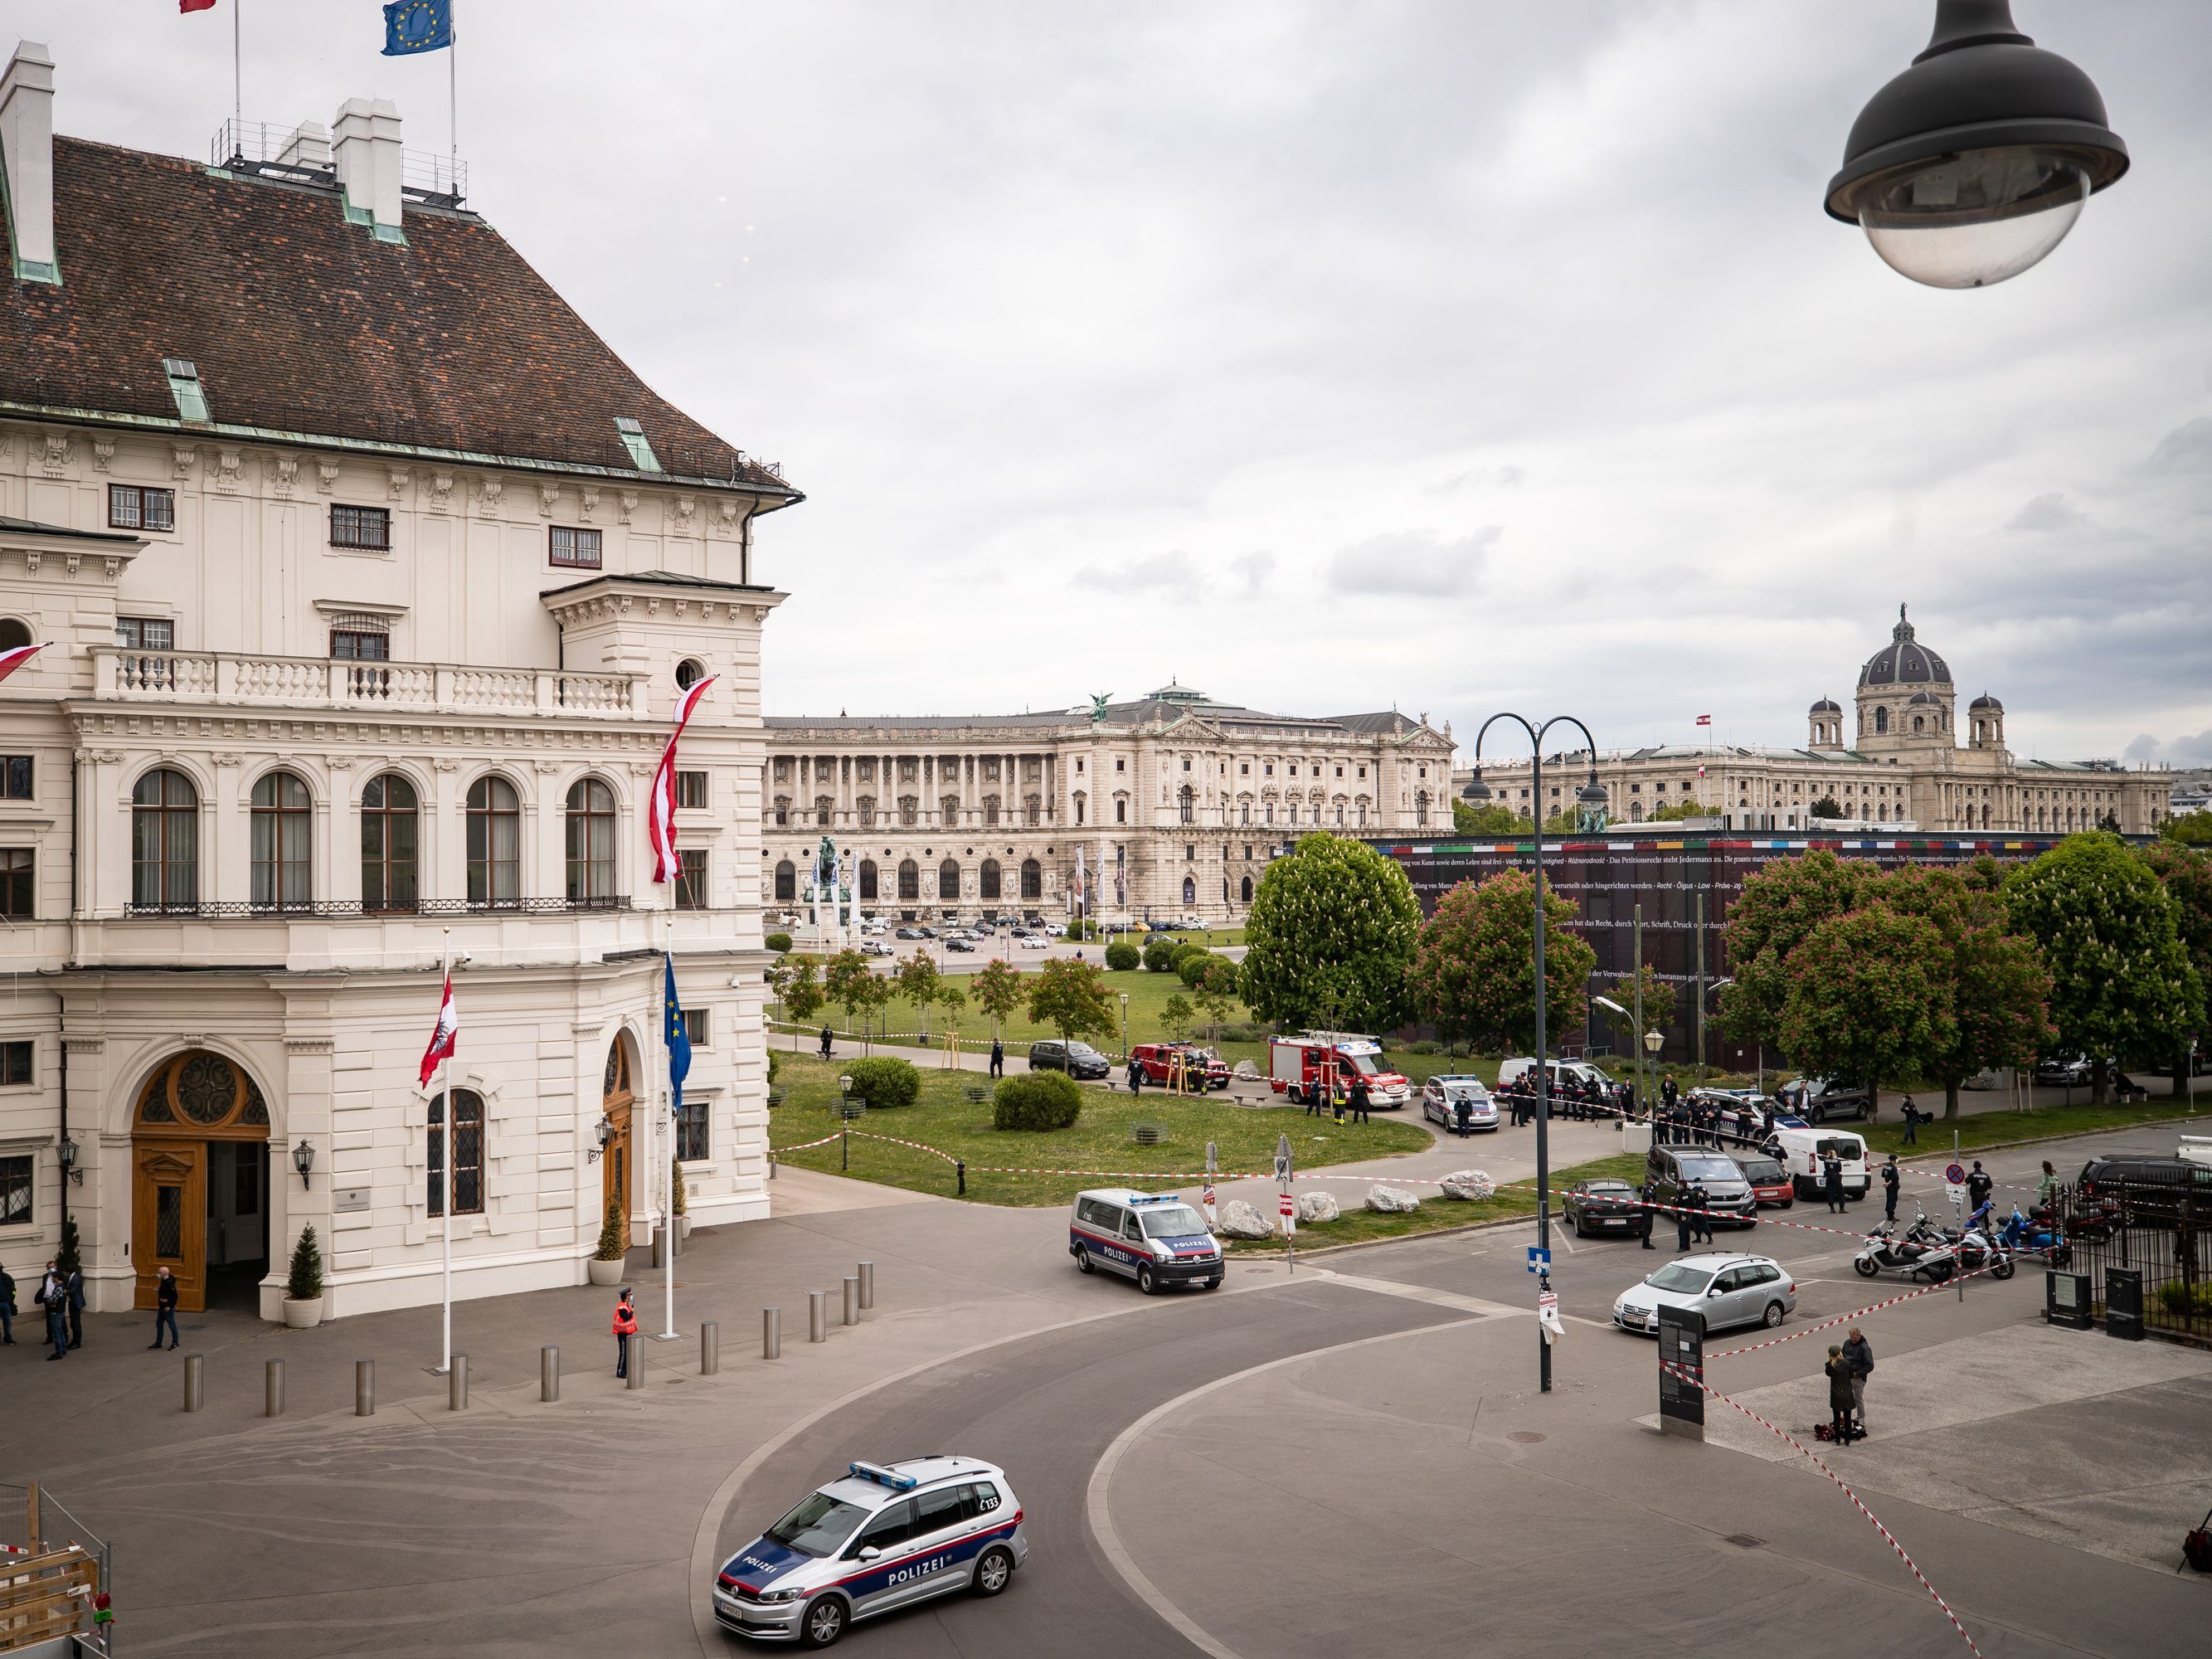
{"x":303,"y":1157}
{"x":1652,"y":1042}
{"x":1591,"y":793}
{"x":1476,"y":788}
{"x":1975,"y":218}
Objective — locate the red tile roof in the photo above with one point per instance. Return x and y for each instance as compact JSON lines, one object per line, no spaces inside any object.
{"x":298,"y":321}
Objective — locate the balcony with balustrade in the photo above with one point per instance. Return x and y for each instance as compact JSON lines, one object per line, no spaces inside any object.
{"x":255,"y":680}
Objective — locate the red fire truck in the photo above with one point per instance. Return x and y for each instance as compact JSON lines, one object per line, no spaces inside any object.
{"x":1297,"y":1066}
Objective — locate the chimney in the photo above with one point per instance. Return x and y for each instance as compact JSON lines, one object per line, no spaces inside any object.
{"x":367,"y":150}
{"x":26,"y":148}
{"x":308,"y":149}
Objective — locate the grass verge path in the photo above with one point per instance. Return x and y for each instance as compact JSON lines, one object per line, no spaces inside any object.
{"x":2001,"y":1127}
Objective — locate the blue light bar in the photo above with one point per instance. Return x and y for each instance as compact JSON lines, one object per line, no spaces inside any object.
{"x":883,"y":1477}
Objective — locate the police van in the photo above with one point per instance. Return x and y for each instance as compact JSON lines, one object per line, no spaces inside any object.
{"x":882,"y":1536}
{"x":1154,"y":1238}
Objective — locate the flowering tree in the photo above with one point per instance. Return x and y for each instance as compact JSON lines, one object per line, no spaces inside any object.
{"x":1998,"y":988}
{"x":1329,"y":938}
{"x":1778,"y":910}
{"x":1475,"y":974}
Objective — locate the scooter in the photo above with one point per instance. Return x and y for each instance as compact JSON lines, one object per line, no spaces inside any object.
{"x":2038,"y":1234}
{"x":1915,"y":1256}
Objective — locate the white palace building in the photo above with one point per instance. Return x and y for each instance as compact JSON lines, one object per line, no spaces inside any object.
{"x":369,"y":575}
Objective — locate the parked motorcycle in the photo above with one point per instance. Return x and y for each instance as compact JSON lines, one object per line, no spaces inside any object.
{"x":2038,"y":1234}
{"x":1919,"y":1254}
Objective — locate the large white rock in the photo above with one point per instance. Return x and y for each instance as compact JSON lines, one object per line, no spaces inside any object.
{"x":1316,"y":1207}
{"x":1241,"y":1220}
{"x":1470,"y":1184}
{"x":1391,"y":1200}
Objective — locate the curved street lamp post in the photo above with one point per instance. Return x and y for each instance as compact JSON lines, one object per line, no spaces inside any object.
{"x":1591,"y":798}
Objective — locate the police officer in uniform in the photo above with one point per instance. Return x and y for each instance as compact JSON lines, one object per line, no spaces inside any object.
{"x":1889,"y":1188}
{"x":1650,"y":1197}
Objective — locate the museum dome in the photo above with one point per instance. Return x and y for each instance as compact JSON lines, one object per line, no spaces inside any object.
{"x":1904,"y":661}
{"x":1826,"y":706}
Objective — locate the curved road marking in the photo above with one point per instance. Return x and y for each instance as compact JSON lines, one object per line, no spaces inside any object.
{"x":1102,"y":1477}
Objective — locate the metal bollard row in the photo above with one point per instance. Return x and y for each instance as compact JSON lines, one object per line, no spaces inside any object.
{"x":852,"y":1300}
{"x":818,"y":1315}
{"x":710,"y":1348}
{"x":867,"y":1284}
{"x":272,"y":1389}
{"x":549,"y":1373}
{"x":637,"y":1366}
{"x":457,"y":1384}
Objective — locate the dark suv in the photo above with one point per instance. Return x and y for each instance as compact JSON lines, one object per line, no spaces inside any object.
{"x":2144,"y":1188}
{"x":1077,"y":1060}
{"x":1678,"y":1169}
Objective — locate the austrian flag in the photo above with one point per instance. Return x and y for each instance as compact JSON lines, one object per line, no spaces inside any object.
{"x":14,"y":657}
{"x":660,"y":810}
{"x":443,"y":1039}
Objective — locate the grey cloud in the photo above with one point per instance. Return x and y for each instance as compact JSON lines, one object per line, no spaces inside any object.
{"x":2049,"y":511}
{"x":1170,"y":570}
{"x":2187,"y":448}
{"x":2185,"y":750}
{"x":1416,"y":563}
{"x":1254,"y":569}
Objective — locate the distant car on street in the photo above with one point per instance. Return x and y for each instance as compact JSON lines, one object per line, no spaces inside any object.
{"x":1077,"y":1060}
{"x":908,"y":933}
{"x":960,"y":943}
{"x":1727,"y":1290}
{"x":1032,"y":941}
{"x":2062,"y":1069}
{"x":876,"y":947}
{"x":1817,"y":1099}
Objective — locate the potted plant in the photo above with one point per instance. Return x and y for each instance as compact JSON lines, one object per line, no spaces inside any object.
{"x":303,"y":1285}
{"x":607,"y":1262}
{"x":676,"y":1186}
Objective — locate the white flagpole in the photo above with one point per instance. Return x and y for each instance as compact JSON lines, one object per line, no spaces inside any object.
{"x":668,"y":1202}
{"x":446,"y":1209}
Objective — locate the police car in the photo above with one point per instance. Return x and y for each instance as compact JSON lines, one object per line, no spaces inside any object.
{"x":884,"y":1535}
{"x":1154,"y":1238}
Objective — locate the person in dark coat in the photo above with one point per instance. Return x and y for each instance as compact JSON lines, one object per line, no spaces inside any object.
{"x":1858,"y":1353}
{"x":1839,"y":1374}
{"x":1979,"y":1186}
{"x":1137,"y":1078}
{"x":53,"y":1296}
{"x":1650,"y":1195}
{"x":1669,"y":1092}
{"x":1889,"y":1179}
{"x":1832,"y":1183}
{"x":1700,"y":1223}
{"x":1463,"y":1115}
{"x":76,"y":1288}
{"x":1359,"y":1099}
{"x":826,"y":1042}
{"x":1911,"y":1124}
{"x":1683,"y":1223}
{"x":998,"y":1058}
{"x":165,"y":1307}
{"x":7,"y":1310}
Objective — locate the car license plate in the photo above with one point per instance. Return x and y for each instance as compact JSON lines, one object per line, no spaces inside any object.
{"x":1633,"y":1319}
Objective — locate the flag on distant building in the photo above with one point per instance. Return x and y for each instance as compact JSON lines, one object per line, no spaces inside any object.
{"x":444,"y":1037}
{"x":14,"y":657}
{"x":190,"y":6}
{"x":412,"y":26}
{"x":1704,"y":719}
{"x":660,"y":809}
{"x":1701,"y":771}
{"x":678,"y":1039}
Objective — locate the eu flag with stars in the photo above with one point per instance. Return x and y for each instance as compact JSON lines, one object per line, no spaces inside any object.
{"x":678,"y":1039}
{"x":412,"y":26}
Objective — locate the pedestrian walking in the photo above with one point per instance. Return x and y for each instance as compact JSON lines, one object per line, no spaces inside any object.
{"x":7,"y":1310}
{"x":826,"y":1042}
{"x":165,"y":1307}
{"x":74,"y":1282}
{"x":1650,"y":1195}
{"x":1136,"y":1075}
{"x":625,"y":1328}
{"x":1358,"y":1099}
{"x":1701,"y":1224}
{"x":53,"y":1296}
{"x":1860,"y":1353}
{"x":1838,"y":1371}
{"x":2048,"y":1188}
{"x":998,"y":1058}
{"x":1911,"y":1123}
{"x":1831,"y":1182}
{"x":1314,"y":1093}
{"x":1889,"y":1188}
{"x":1979,"y":1186}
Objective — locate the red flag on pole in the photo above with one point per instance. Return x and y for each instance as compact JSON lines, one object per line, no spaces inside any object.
{"x":443,"y":1039}
{"x":14,"y":657}
{"x":1704,"y":719}
{"x":660,"y":809}
{"x":189,"y":6}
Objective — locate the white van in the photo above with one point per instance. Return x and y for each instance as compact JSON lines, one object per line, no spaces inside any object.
{"x":1510,"y":1072}
{"x":1801,"y":1152}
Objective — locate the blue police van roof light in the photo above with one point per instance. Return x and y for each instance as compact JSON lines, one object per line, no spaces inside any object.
{"x":1154,"y":1198}
{"x":883,"y":1477}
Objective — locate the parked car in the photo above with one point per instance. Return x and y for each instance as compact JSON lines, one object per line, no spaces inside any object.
{"x":2143,"y":1189}
{"x":1077,"y":1060}
{"x":1032,"y":941}
{"x":1678,"y":1169}
{"x":1771,"y":1186}
{"x":2063,"y":1069}
{"x":876,"y":947}
{"x":1601,"y":1206}
{"x":1159,"y":1060}
{"x":1989,"y":1077}
{"x":1817,"y":1099}
{"x":1160,"y":927}
{"x":925,"y":932}
{"x":1512,"y":1070}
{"x":907,"y":932}
{"x":1440,"y":1098}
{"x":1728,"y":1290}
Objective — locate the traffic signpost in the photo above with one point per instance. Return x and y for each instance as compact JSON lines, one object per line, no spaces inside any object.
{"x":1205,"y":1193}
{"x":1539,"y":1260}
{"x":1285,"y":1172}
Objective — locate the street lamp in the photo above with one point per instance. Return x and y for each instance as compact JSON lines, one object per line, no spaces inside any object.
{"x":603,"y":1133}
{"x":1591,"y":796}
{"x":303,"y":1159}
{"x":1973,"y":164}
{"x":67,"y":1152}
{"x":1125,"y":1026}
{"x":845,"y":1116}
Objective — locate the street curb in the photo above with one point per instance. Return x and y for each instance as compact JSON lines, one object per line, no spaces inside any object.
{"x":1408,"y":1238}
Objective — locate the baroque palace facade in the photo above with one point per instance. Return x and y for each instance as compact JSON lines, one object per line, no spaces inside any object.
{"x":1910,"y":760}
{"x":1176,"y":803}
{"x":368,"y":574}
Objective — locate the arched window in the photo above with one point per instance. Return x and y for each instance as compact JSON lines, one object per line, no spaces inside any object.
{"x":1246,"y":890}
{"x":1190,"y":890}
{"x":1421,"y":811}
{"x":165,"y":842}
{"x":1881,"y":720}
{"x":909,"y":879}
{"x":986,"y":880}
{"x":388,"y":844}
{"x":868,"y":879}
{"x":468,"y":1154}
{"x":284,"y":819}
{"x":1186,"y":801}
{"x":1032,"y":879}
{"x":948,"y":879}
{"x":13,"y":634}
{"x":1078,"y":809}
{"x":786,"y":880}
{"x":1918,"y":724}
{"x":690,"y":672}
{"x":494,"y":817}
{"x":591,"y":842}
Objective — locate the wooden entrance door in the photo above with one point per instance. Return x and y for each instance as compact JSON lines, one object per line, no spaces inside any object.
{"x":168,"y":1202}
{"x":615,"y":1101}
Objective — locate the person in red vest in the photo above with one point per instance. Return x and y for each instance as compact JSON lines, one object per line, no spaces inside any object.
{"x":625,"y":1328}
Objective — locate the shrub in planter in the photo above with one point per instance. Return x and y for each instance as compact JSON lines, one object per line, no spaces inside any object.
{"x":885,"y":1080}
{"x":305,"y":1281}
{"x":1122,"y":956}
{"x":779,"y":942}
{"x":1160,"y":954}
{"x":1036,"y":1100}
{"x":614,"y":1236}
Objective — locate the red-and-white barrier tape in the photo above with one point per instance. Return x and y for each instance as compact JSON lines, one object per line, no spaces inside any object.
{"x":1845,"y":1319}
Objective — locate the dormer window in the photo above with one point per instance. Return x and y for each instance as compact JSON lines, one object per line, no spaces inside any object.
{"x":185,"y":387}
{"x":635,"y":440}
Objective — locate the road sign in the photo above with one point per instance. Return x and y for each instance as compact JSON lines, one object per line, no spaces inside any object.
{"x":1282,"y":1157}
{"x":1538,"y":1260}
{"x":1956,"y":1192}
{"x":1289,"y":1204}
{"x":1953,"y":1175}
{"x":1547,"y":1301}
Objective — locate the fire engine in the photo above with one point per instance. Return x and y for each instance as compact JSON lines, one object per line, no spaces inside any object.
{"x":1295,"y":1064}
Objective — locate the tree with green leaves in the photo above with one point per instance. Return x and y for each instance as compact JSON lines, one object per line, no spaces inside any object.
{"x":1868,"y":998}
{"x":1216,"y":995}
{"x":1779,"y":908}
{"x":919,"y":982}
{"x":1329,"y":938}
{"x":1474,"y":973}
{"x":2188,"y":829}
{"x":1490,"y":818}
{"x":2122,"y":983}
{"x":1826,"y":807}
{"x":1176,"y":1017}
{"x":954,"y":1002}
{"x":798,"y":986}
{"x":998,"y":991}
{"x":2187,"y":874}
{"x":1997,"y":990}
{"x":848,"y":981}
{"x":1072,"y":997}
{"x":1658,"y":1000}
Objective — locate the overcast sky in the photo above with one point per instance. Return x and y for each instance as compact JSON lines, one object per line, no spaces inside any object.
{"x":1454,"y":355}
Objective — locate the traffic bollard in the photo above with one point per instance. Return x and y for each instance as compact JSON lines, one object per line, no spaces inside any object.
{"x":852,"y":1300}
{"x":961,"y":1169}
{"x":272,"y":1389}
{"x":771,"y":1332}
{"x":710,"y":1348}
{"x":364,"y":1387}
{"x":818,"y":1315}
{"x":195,"y":1381}
{"x":457,"y":1384}
{"x":867,"y":1284}
{"x":549,"y":1373}
{"x":636,"y":1359}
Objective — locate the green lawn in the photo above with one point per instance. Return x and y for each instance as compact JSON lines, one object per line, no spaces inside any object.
{"x":1988,"y":1128}
{"x":1148,"y":993}
{"x":1437,"y":1213}
{"x":1101,"y":1143}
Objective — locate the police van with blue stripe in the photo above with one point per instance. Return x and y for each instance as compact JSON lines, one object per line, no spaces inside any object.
{"x":1154,"y":1238}
{"x":884,"y":1536}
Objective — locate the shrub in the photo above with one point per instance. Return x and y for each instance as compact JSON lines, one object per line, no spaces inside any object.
{"x":305,"y":1282}
{"x":1081,"y":929}
{"x":1036,"y":1100}
{"x":1122,"y":956}
{"x":1423,"y":1047}
{"x":1160,"y":953}
{"x":779,"y":942}
{"x":773,"y":1059}
{"x":1191,"y":964}
{"x":885,"y":1080}
{"x":614,"y":1238}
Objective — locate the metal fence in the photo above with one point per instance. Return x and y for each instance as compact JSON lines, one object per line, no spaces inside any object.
{"x":2160,"y":1228}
